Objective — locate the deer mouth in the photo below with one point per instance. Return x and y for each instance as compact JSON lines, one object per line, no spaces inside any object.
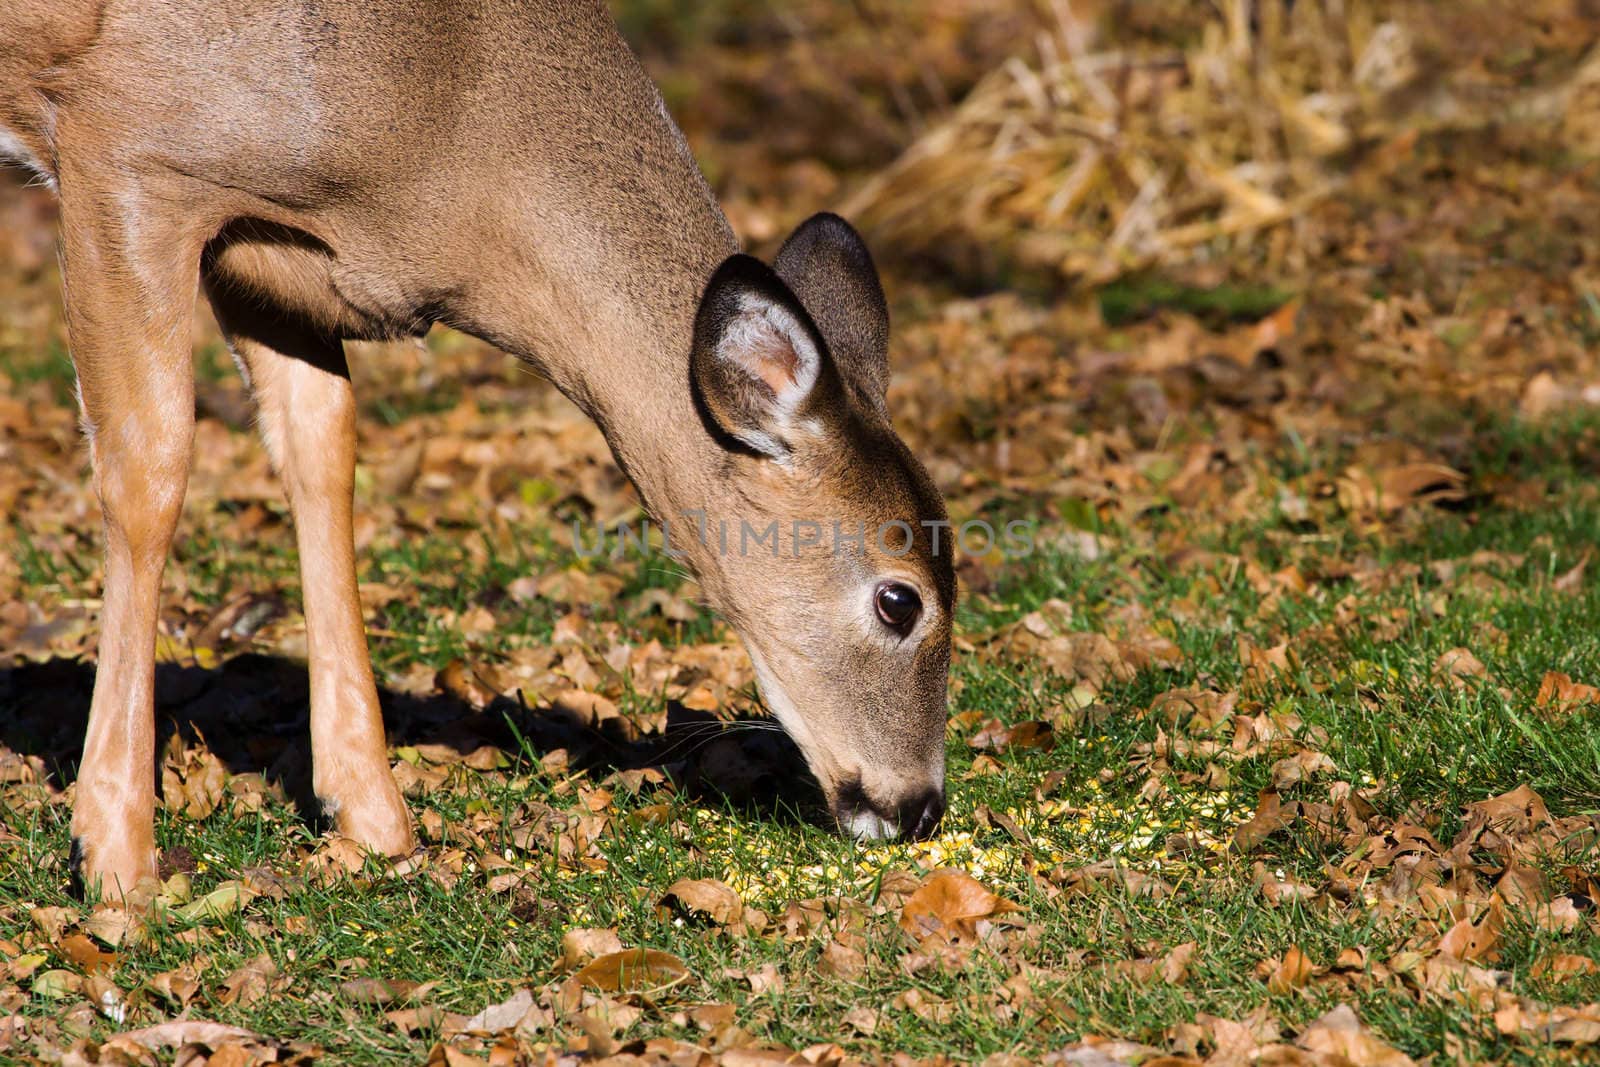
{"x":916,"y":817}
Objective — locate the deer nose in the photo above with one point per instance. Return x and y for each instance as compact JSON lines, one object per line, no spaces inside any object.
{"x":919,"y":816}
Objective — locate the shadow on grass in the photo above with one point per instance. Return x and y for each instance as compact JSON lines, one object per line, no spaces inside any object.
{"x":253,"y":713}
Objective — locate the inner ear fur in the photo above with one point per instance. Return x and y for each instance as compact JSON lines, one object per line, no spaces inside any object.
{"x":759,"y":366}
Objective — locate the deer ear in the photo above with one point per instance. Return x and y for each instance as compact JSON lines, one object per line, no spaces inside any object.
{"x":758,"y":363}
{"x":826,"y":264}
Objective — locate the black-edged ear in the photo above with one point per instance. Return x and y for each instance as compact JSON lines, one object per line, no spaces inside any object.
{"x":758,"y":363}
{"x":827,"y":265}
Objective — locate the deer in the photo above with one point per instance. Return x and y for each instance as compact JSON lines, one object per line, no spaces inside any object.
{"x":333,"y":170}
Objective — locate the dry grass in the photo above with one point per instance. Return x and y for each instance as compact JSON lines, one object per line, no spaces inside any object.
{"x":1100,"y":157}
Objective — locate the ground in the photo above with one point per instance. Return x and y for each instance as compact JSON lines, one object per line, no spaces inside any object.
{"x":1282,"y":743}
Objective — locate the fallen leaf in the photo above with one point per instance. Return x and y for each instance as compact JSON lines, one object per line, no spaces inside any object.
{"x":841,"y":961}
{"x":1478,"y":941}
{"x":1292,"y":972}
{"x":115,"y":926}
{"x":502,"y":1016}
{"x":180,"y":1032}
{"x":705,"y":897}
{"x":224,"y":900}
{"x":384,"y":991}
{"x":85,"y":955}
{"x":1174,"y":966}
{"x":1558,"y":692}
{"x":251,"y":982}
{"x":640,"y":970}
{"x":57,"y":984}
{"x":1267,"y":820}
{"x":1559,"y":965}
{"x":949,"y":905}
{"x":582,"y":945}
{"x":1458,"y":667}
{"x":862,"y":1020}
{"x":1340,"y":1034}
{"x":1303,"y":765}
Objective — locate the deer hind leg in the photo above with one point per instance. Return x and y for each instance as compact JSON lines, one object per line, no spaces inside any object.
{"x":130,"y":281}
{"x":308,"y":421}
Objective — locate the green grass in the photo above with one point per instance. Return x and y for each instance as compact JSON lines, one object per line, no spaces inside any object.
{"x":1131,"y":299}
{"x":1426,"y":747}
{"x":53,"y":366}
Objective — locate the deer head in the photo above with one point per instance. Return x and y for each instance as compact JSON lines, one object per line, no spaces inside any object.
{"x":822,"y":537}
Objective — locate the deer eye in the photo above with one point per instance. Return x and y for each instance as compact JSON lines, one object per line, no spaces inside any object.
{"x":898,"y":605}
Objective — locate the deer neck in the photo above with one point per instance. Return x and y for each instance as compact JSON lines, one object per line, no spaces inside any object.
{"x":615,"y":336}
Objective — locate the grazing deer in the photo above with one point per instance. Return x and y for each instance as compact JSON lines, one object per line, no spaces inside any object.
{"x":333,"y":169}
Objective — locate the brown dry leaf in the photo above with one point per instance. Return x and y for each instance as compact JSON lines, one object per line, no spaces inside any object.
{"x":1459,"y":668}
{"x":1303,"y":765}
{"x":1475,"y":942}
{"x":1578,"y":1025}
{"x":385,"y":991}
{"x":1093,"y":660}
{"x":57,"y":984}
{"x":1097,"y":1051}
{"x":251,"y":982}
{"x":862,"y":1020}
{"x":1263,"y":667}
{"x":763,"y":979}
{"x":462,"y":682}
{"x":582,"y":945}
{"x":997,"y":737}
{"x":443,"y":1055}
{"x":1340,"y":1034}
{"x":115,"y":926}
{"x":705,"y":897}
{"x":85,"y":955}
{"x":640,"y":970}
{"x":1203,"y":708}
{"x":180,"y":1032}
{"x":1278,"y":890}
{"x":1514,"y":813}
{"x":1572,"y":580}
{"x":1384,"y":492}
{"x":841,"y":961}
{"x":193,"y":780}
{"x":52,"y":921}
{"x":1267,"y":820}
{"x":178,"y":985}
{"x":927,"y":1006}
{"x":948,"y":906}
{"x":1291,"y":972}
{"x":1559,"y":965}
{"x":1174,"y":967}
{"x":1558,"y":692}
{"x":585,"y":708}
{"x":336,"y":857}
{"x":501,"y":1016}
{"x":1110,"y":874}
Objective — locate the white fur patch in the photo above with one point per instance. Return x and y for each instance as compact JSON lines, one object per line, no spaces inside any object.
{"x":85,"y":423}
{"x":782,"y":707}
{"x":870,"y":826}
{"x":13,"y":150}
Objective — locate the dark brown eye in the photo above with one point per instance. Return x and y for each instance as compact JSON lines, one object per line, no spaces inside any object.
{"x":898,"y":605}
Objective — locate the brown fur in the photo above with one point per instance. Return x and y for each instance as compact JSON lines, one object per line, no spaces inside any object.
{"x":334,"y":169}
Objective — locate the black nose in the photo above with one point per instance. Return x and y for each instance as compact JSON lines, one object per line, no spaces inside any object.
{"x":919,"y":817}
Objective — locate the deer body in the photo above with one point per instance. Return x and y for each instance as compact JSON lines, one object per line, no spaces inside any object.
{"x":331,"y":169}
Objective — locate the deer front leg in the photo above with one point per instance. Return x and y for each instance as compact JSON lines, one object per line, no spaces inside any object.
{"x":130,"y":280}
{"x":308,"y":421}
